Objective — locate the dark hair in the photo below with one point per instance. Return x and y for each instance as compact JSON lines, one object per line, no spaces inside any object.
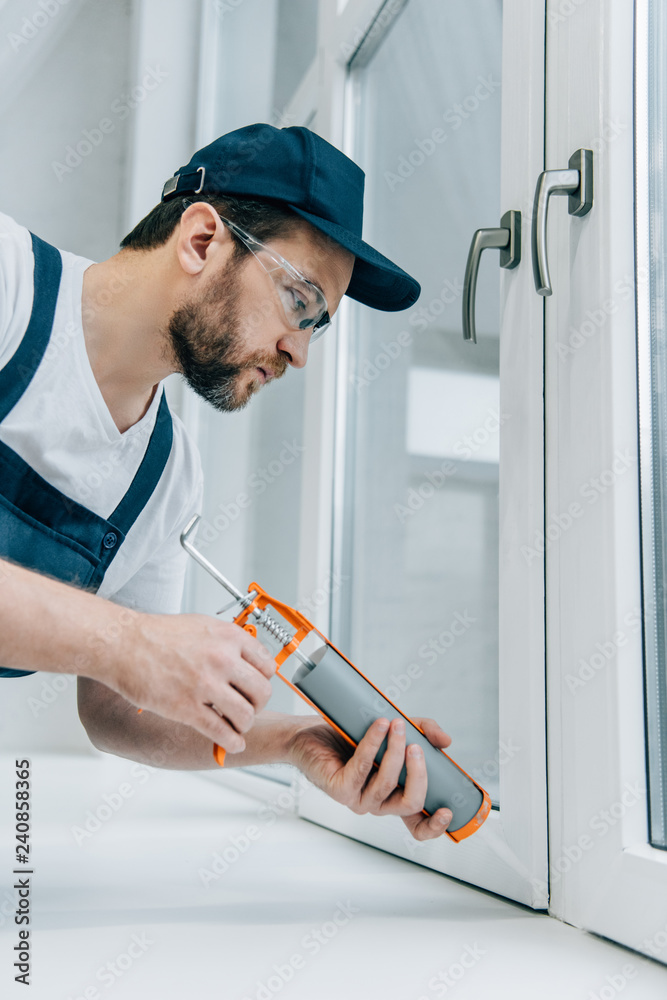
{"x":261,"y":217}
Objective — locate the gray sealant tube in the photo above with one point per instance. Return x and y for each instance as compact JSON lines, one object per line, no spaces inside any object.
{"x":353,"y":704}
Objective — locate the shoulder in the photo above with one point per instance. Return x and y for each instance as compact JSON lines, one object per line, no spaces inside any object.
{"x":12,"y":232}
{"x":16,"y":284}
{"x":16,"y":258}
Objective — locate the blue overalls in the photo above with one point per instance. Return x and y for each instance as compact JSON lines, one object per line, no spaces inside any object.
{"x":40,"y":527}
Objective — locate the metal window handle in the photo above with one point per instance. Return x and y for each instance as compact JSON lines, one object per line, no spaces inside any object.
{"x":577,"y":183}
{"x":507,"y":239}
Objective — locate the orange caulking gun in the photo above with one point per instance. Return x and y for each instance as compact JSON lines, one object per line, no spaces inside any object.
{"x":344,"y":697}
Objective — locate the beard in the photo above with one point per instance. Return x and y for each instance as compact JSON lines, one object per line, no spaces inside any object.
{"x":206,"y":339}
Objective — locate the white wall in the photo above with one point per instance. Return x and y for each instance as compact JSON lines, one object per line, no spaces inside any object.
{"x":54,"y":87}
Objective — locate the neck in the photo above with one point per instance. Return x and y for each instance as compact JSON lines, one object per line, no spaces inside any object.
{"x":125,"y":310}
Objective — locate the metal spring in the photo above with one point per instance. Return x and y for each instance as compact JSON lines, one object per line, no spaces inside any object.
{"x":272,"y":626}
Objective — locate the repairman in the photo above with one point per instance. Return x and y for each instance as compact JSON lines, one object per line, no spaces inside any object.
{"x":227,"y":281}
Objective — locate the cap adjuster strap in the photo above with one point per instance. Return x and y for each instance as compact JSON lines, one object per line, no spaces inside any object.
{"x":191,"y":183}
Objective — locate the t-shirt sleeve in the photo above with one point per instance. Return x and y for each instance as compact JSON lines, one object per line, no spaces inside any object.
{"x":16,"y":285}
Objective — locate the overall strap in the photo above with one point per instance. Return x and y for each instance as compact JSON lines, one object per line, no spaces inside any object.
{"x":17,"y":374}
{"x":148,"y":474}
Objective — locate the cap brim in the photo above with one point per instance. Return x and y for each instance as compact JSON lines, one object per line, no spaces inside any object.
{"x":376,"y":281}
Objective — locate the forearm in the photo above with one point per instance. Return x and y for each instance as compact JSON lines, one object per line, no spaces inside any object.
{"x":115,"y":726}
{"x":48,"y":625}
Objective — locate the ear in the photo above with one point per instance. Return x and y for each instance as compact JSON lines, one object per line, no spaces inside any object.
{"x":200,"y":238}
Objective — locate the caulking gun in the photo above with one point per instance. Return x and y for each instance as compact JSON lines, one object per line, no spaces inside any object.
{"x":343,"y":696}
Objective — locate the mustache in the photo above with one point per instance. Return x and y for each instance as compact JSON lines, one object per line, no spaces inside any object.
{"x":276,"y":364}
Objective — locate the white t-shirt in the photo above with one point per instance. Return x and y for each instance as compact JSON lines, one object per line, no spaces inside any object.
{"x":62,"y":427}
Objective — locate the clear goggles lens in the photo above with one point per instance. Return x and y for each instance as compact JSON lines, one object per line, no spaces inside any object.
{"x":304,"y":304}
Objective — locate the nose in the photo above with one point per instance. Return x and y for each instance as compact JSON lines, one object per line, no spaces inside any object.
{"x":294,"y":345}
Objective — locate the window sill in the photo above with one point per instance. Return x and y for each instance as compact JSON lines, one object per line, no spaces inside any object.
{"x":232,"y":890}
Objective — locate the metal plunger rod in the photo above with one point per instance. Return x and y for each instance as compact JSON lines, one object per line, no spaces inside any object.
{"x":262,"y":616}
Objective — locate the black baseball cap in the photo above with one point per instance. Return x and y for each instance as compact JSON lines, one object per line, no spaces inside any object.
{"x":314,"y":179}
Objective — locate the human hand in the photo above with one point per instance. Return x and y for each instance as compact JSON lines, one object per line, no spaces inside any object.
{"x":211,"y":675}
{"x":348,"y":776}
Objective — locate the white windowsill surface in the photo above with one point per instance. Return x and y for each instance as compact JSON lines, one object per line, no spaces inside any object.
{"x":131,"y":896}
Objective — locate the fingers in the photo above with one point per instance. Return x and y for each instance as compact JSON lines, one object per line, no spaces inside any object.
{"x":433,"y":732}
{"x":213,"y":726}
{"x":360,"y":764}
{"x":240,"y":697}
{"x":382,"y":795}
{"x":236,"y":709}
{"x":428,"y":827}
{"x":257,"y":655}
{"x":251,"y":685}
{"x":382,"y":784}
{"x":410,"y":799}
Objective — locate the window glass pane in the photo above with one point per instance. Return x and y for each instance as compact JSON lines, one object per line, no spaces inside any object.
{"x":296,"y":45}
{"x":419,"y":525}
{"x":654,"y":417}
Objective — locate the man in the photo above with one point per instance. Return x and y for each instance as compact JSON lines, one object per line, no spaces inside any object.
{"x":227,"y":281}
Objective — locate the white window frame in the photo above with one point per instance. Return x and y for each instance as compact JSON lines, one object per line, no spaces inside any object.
{"x":509,"y":857}
{"x":614,"y":883}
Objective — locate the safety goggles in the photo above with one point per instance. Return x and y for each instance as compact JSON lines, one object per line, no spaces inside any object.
{"x":303,"y":302}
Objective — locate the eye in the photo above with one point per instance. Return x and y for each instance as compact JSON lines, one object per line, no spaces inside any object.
{"x":297,"y":299}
